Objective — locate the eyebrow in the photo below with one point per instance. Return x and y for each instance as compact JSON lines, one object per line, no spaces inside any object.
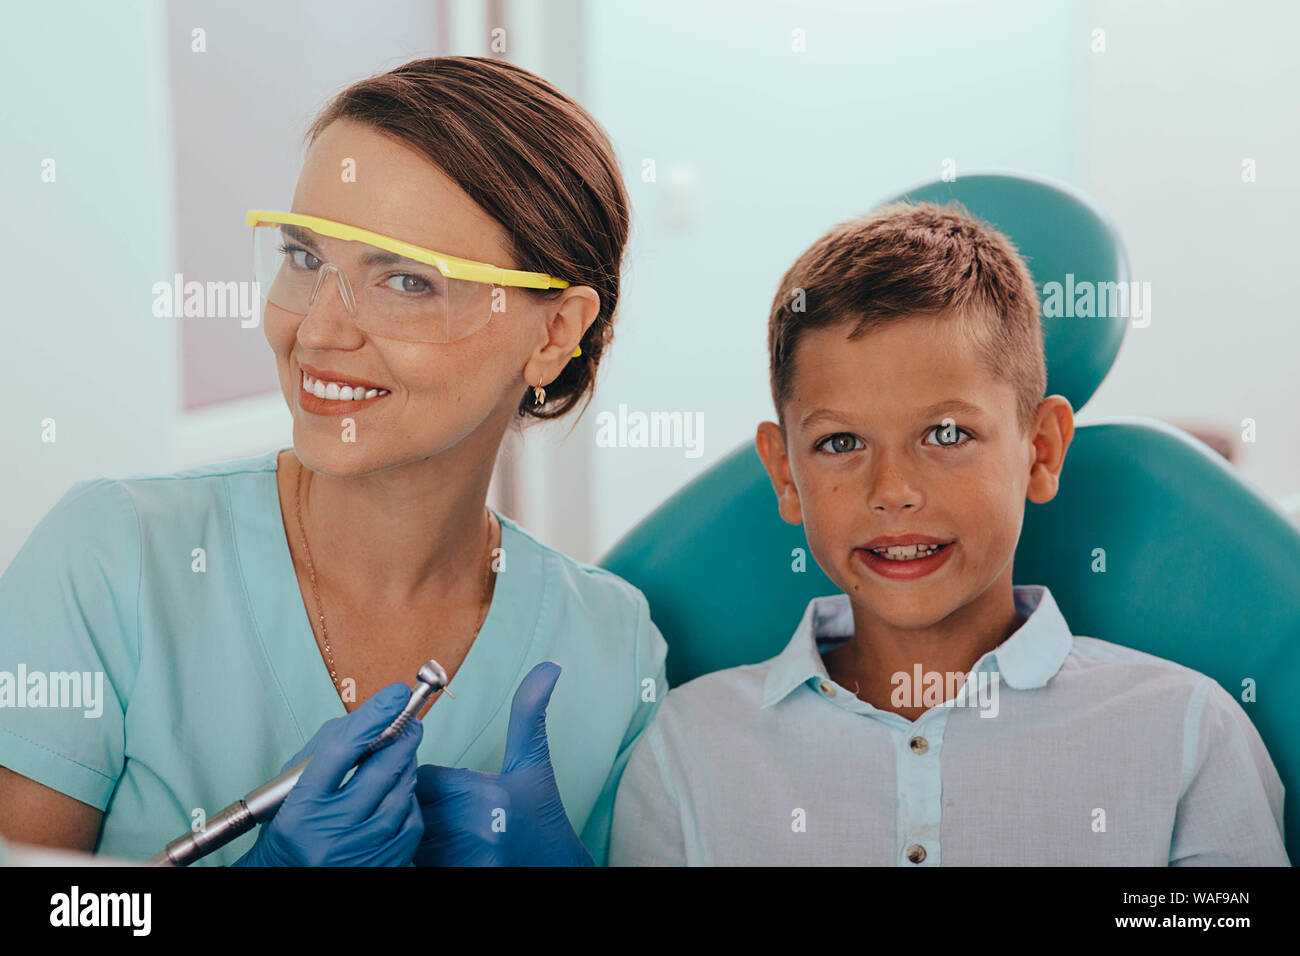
{"x":298,"y":234}
{"x":951,"y":404}
{"x":374,"y":257}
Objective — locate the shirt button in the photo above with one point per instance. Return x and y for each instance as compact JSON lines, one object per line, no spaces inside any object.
{"x":919,"y":745}
{"x":828,"y":688}
{"x":916,"y":853}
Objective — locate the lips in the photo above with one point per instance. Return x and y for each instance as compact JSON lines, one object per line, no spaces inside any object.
{"x":341,"y":378}
{"x":308,"y":402}
{"x":889,"y":541}
{"x":343,"y":395}
{"x":905,"y":570}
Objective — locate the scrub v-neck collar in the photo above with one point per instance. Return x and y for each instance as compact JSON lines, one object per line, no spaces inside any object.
{"x":486,"y":680}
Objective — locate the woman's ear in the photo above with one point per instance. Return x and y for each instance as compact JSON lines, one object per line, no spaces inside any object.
{"x":568,"y":317}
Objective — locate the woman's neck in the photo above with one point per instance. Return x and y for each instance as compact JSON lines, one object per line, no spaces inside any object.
{"x":402,"y":537}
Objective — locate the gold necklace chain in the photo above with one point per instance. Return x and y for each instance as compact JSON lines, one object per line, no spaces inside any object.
{"x":320,"y":611}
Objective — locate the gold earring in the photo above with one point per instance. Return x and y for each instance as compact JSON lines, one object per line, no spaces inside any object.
{"x":539,"y":394}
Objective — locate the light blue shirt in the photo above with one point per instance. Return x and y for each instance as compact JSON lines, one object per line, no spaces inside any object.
{"x":196,"y":675}
{"x":1065,"y":750}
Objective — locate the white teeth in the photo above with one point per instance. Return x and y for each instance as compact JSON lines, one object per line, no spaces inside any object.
{"x":906,"y":552}
{"x":337,"y":391}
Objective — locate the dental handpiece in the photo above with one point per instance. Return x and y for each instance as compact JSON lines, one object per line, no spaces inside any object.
{"x":260,"y":804}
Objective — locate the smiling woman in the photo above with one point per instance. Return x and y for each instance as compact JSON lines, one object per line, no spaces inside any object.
{"x":465,"y":274}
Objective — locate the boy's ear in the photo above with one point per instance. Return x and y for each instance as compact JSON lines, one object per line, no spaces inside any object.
{"x":1052,"y":431}
{"x":771,"y":448}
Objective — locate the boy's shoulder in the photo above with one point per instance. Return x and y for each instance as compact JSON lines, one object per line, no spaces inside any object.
{"x":1108,"y":664}
{"x":1144,"y":688}
{"x":746,"y":688}
{"x":1098,"y":665}
{"x":731,"y":686}
{"x":1098,"y":650}
{"x":721,"y":704}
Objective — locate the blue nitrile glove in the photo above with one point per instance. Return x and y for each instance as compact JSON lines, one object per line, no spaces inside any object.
{"x":514,"y":818}
{"x":372,"y":820}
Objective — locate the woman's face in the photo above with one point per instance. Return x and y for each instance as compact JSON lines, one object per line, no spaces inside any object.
{"x":440,"y":395}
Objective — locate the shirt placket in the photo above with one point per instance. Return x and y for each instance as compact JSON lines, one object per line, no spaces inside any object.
{"x":918,"y":748}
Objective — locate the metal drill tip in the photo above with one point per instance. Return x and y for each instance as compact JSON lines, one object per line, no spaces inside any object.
{"x":431,"y":673}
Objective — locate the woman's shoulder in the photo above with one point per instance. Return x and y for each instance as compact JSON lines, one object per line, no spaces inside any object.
{"x":115,"y":511}
{"x":590,"y":584}
{"x":162,"y":493}
{"x":196,"y":476}
{"x":595,"y":610}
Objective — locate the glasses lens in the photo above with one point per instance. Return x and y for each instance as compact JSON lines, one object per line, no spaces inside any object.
{"x":394,"y":296}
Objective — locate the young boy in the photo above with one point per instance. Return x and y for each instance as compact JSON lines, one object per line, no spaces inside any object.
{"x":932,"y":713}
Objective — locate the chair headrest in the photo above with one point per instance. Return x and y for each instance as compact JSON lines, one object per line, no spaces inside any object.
{"x":1078,"y":262}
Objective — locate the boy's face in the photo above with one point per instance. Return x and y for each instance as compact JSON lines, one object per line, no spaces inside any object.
{"x":904,"y":432}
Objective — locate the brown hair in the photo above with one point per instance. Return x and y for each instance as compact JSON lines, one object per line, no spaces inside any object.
{"x":533,"y":159}
{"x":909,"y":259}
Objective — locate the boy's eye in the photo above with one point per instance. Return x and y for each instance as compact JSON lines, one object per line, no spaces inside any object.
{"x":948,"y":435}
{"x":840,"y":443}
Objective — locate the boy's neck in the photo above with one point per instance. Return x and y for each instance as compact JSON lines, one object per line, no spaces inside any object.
{"x":867,"y":663}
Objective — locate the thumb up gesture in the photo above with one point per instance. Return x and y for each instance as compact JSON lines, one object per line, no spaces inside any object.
{"x":511,"y":818}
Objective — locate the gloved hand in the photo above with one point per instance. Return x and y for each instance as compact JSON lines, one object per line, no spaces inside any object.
{"x":514,"y":818}
{"x":373,"y":820}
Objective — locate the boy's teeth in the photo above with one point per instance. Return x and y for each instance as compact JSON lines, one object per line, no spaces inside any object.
{"x":906,"y":552}
{"x":337,"y":392}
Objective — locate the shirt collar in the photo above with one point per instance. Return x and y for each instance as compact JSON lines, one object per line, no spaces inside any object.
{"x":1029,"y":658}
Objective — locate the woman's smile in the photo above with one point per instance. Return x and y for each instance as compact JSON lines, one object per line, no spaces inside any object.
{"x":335,"y":394}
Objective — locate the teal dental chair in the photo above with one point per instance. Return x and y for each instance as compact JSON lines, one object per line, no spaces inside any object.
{"x":1200,"y":567}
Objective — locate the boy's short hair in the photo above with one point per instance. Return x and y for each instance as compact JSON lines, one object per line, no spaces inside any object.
{"x":906,"y":259}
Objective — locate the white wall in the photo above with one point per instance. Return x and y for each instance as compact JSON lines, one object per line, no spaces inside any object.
{"x":79,"y":256}
{"x":1184,"y":92}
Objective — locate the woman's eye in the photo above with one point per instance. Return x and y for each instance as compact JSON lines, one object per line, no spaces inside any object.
{"x":406,"y":282}
{"x":301,"y":258}
{"x":840,"y":443}
{"x":948,"y":435}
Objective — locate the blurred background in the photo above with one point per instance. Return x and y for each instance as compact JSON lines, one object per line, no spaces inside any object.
{"x":766,"y":122}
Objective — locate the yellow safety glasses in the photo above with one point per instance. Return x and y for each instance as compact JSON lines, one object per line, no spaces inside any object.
{"x":391,"y":288}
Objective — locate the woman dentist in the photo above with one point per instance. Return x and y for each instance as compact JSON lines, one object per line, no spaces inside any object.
{"x":449,"y":264}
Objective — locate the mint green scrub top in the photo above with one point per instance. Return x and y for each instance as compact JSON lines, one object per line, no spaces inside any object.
{"x":209,"y":676}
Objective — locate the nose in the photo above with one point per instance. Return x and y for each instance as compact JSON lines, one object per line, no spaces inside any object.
{"x":891,"y":488}
{"x":326,"y":325}
{"x":341,"y":281}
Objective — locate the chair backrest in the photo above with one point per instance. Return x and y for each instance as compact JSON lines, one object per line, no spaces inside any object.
{"x":1199,"y":566}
